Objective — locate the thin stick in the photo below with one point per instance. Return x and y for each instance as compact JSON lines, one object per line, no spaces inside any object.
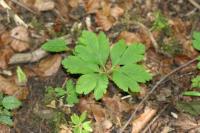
{"x":155,"y":118}
{"x":153,"y":40}
{"x":28,"y":57}
{"x":153,"y":89}
{"x":24,"y":6}
{"x":17,"y":19}
{"x":194,"y":3}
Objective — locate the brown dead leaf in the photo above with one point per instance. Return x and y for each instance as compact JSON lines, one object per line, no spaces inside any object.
{"x":103,"y":21}
{"x":64,"y":129}
{"x":29,"y":3}
{"x":166,"y":66}
{"x":44,"y":5}
{"x":75,"y":3}
{"x":92,"y":108}
{"x":5,"y":55}
{"x":92,"y":6}
{"x":185,"y":123}
{"x":129,"y":37}
{"x":98,"y":112}
{"x":103,"y":127}
{"x":63,"y":9}
{"x":4,"y":129}
{"x":182,"y":59}
{"x":5,"y":39}
{"x":7,"y":87}
{"x":48,"y":66}
{"x":20,"y":41}
{"x":116,"y":12}
{"x":116,"y":105}
{"x":143,"y":119}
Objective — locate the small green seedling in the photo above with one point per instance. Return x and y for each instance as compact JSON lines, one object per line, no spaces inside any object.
{"x":160,"y":22}
{"x":21,"y":76}
{"x":68,"y":92}
{"x":196,"y":80}
{"x":97,"y":63}
{"x":7,"y":103}
{"x":80,"y":125}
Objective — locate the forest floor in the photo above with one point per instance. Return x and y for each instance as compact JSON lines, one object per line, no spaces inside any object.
{"x":166,"y":28}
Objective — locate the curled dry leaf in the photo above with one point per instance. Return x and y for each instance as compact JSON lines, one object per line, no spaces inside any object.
{"x":92,"y":6}
{"x":143,"y":119}
{"x":21,"y":38}
{"x":44,"y":5}
{"x":5,"y":55}
{"x":48,"y":66}
{"x":103,"y":21}
{"x":129,"y":37}
{"x":116,"y":12}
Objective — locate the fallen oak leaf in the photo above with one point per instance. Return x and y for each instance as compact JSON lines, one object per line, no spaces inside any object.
{"x":20,"y":41}
{"x":48,"y":66}
{"x":92,"y":6}
{"x":103,"y":21}
{"x":5,"y":55}
{"x":44,"y":5}
{"x":116,"y":12}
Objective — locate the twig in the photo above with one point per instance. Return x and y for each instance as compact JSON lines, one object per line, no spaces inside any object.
{"x":24,"y":6}
{"x":153,"y":89}
{"x":155,"y":118}
{"x":28,"y":57}
{"x":155,"y":44}
{"x":17,"y":19}
{"x":194,"y":3}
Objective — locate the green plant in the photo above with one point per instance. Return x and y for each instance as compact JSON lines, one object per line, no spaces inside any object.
{"x":160,"y":22}
{"x":80,"y":125}
{"x":96,"y":62}
{"x":68,"y":92}
{"x":196,"y":80}
{"x":7,"y":103}
{"x":55,"y":45}
{"x":21,"y":76}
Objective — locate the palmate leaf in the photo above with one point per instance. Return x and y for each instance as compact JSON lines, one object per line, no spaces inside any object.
{"x":89,"y":82}
{"x":90,"y":54}
{"x":122,"y":54}
{"x":128,"y":74}
{"x":76,"y":65}
{"x":90,"y":58}
{"x":93,"y":48}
